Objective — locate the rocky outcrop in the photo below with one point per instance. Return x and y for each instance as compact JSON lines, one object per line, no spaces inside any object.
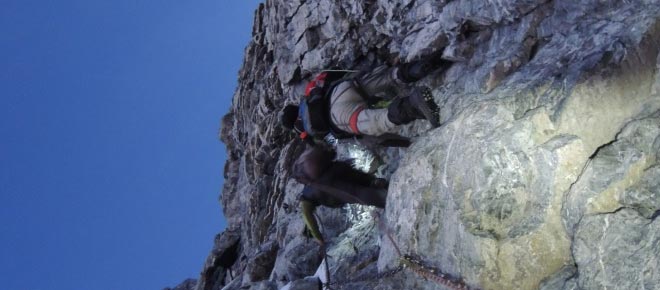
{"x":189,"y":284}
{"x":544,"y":174}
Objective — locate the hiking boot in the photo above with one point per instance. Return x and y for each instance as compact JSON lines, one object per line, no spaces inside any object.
{"x":401,"y":111}
{"x":414,"y":71}
{"x":419,"y":105}
{"x":422,"y":100}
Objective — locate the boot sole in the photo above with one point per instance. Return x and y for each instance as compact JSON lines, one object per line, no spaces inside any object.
{"x":427,"y":106}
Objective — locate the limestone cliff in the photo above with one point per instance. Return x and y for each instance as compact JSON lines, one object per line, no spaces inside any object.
{"x":544,"y":175}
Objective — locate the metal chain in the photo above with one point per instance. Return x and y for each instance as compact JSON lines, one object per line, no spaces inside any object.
{"x":416,"y":265}
{"x":433,"y":274}
{"x":420,"y":268}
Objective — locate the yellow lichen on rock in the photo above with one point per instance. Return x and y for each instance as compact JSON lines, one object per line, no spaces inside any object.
{"x":597,"y":109}
{"x":609,"y":199}
{"x":524,"y":262}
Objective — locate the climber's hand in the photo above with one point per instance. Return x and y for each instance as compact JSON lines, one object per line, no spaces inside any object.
{"x":380,"y":183}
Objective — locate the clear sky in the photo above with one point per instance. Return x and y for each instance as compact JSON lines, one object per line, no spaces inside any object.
{"x":110,"y":164}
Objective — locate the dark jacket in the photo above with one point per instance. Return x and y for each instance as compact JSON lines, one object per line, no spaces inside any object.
{"x":333,"y":183}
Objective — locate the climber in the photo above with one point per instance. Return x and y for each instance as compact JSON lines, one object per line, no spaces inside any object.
{"x":337,"y":103}
{"x":333,"y":184}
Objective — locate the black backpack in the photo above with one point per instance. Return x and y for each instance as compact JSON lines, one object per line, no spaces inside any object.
{"x":314,"y":108}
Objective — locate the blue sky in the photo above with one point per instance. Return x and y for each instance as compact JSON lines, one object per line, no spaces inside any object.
{"x":110,"y":164}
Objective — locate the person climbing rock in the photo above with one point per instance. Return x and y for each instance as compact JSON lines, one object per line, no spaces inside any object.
{"x":338,"y":103}
{"x":333,"y":184}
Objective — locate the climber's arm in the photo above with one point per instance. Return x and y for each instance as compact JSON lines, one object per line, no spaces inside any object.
{"x":308,"y":216}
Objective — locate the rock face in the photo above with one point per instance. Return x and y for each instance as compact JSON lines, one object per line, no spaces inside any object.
{"x":544,"y":174}
{"x":189,"y":284}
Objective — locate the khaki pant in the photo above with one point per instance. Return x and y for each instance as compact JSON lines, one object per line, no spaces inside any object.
{"x":348,"y":105}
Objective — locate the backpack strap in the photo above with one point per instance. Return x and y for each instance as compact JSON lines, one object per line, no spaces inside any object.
{"x":317,"y":82}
